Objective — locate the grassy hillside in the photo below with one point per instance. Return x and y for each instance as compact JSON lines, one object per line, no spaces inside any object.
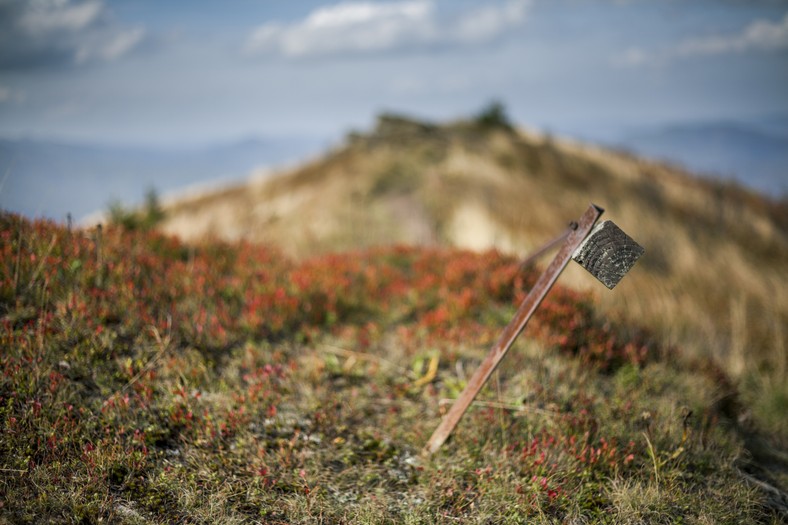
{"x":144,"y":380}
{"x":712,"y":280}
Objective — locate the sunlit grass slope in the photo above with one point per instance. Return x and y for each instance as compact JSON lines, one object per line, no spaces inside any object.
{"x":713,"y":280}
{"x":144,"y":380}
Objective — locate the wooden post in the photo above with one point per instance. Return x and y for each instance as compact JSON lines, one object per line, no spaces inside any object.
{"x":514,"y":328}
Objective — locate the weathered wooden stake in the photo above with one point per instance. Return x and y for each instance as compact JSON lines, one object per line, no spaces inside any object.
{"x":549,"y":245}
{"x":608,"y":253}
{"x":514,"y":328}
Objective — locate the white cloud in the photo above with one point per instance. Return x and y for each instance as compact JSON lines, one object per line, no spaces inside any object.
{"x":46,"y":16}
{"x":36,"y":33}
{"x":110,"y":47}
{"x":367,"y":27}
{"x":490,"y":21}
{"x":346,"y":27}
{"x":759,"y":35}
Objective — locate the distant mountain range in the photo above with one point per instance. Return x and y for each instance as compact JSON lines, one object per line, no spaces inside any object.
{"x":53,"y":179}
{"x":753,"y":153}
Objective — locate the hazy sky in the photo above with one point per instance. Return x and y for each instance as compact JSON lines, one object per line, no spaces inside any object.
{"x":167,"y":72}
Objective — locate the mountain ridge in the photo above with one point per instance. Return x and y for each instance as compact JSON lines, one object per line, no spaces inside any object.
{"x":714,"y":250}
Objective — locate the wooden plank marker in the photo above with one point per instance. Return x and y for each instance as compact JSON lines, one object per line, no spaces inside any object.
{"x":608,"y":253}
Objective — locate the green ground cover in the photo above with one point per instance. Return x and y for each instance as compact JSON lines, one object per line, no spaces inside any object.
{"x":143,"y":380}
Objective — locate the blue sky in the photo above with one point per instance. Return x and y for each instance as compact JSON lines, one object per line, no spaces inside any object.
{"x":153,"y":72}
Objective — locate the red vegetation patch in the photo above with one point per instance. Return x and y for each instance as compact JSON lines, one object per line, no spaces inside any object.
{"x":215,"y":296}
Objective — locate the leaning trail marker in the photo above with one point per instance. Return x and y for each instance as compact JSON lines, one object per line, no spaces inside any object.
{"x":606,"y":252}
